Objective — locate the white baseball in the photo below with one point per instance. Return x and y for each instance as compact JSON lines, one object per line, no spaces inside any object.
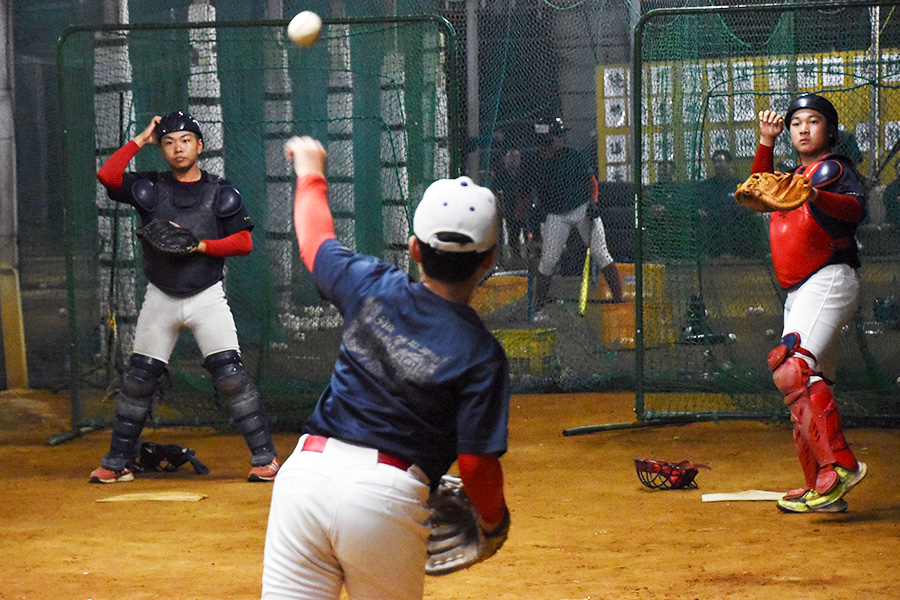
{"x":305,"y":28}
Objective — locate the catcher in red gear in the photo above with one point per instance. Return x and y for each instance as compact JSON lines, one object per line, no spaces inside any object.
{"x":815,"y":258}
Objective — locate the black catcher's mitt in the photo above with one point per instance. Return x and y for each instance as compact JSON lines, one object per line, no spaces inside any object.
{"x":166,"y":457}
{"x":457,"y":540}
{"x":167,"y":238}
{"x":662,"y":475}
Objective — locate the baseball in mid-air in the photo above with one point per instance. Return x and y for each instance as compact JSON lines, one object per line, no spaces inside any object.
{"x":305,"y":28}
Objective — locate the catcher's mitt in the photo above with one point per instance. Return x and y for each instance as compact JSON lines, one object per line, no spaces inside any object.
{"x":662,"y":475}
{"x":167,"y":238}
{"x":457,"y":540}
{"x":767,"y":192}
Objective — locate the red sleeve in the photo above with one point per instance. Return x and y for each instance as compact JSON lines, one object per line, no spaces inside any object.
{"x":840,"y":206}
{"x":764,"y":161}
{"x":110,"y":174}
{"x":313,"y":222}
{"x":595,"y":189}
{"x":236,"y":244}
{"x":482,"y":478}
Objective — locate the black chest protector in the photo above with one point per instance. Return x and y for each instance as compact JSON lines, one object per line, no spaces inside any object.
{"x":194,"y":208}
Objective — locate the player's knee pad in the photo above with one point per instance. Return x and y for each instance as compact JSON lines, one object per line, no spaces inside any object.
{"x":239,"y":395}
{"x":141,"y":380}
{"x":788,"y":345}
{"x":791,"y":378}
{"x":227,"y":372}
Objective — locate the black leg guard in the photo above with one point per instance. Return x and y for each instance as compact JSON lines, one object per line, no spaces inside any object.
{"x":240,"y":396}
{"x":139,"y":384}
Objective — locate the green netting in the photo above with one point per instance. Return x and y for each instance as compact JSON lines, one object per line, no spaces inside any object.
{"x":704,"y":76}
{"x":381,"y":95}
{"x":396,"y":104}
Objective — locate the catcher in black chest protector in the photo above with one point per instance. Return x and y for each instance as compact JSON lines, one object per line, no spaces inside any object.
{"x":193,"y":221}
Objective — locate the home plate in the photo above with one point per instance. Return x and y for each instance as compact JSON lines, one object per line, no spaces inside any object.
{"x":156,"y":496}
{"x":745,"y":495}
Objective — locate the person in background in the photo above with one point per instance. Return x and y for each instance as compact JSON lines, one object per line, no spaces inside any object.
{"x":566,"y":193}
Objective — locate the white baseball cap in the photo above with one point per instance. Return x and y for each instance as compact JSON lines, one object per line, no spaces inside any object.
{"x":457,"y":206}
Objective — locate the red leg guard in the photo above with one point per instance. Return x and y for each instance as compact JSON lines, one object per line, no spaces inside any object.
{"x":820,"y":396}
{"x":791,"y":377}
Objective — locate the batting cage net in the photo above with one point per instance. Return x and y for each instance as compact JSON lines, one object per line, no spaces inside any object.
{"x":666,"y":288}
{"x":380,"y":94}
{"x":704,"y":77}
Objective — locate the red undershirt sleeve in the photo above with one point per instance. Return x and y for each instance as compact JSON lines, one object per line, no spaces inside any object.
{"x":482,"y":478}
{"x":764,"y":161}
{"x":840,"y":206}
{"x":236,"y":244}
{"x":313,"y":222}
{"x":110,"y":174}
{"x":594,"y":189}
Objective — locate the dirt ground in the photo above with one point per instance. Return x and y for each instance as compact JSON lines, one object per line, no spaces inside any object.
{"x":583,"y":527}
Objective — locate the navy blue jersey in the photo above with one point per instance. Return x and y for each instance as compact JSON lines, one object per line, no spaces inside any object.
{"x":418,"y":376}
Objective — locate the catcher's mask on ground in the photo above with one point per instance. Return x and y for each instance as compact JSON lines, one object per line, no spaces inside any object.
{"x":663,"y":475}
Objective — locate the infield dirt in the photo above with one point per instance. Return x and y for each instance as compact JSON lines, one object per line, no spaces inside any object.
{"x":583,"y":527}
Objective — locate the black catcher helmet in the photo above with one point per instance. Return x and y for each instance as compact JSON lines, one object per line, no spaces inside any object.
{"x":547,"y":128}
{"x":818,"y":104}
{"x":178,"y":121}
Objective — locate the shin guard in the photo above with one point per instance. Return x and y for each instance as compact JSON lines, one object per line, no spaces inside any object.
{"x":791,"y":378}
{"x":239,"y":395}
{"x":821,"y":398}
{"x":139,"y":384}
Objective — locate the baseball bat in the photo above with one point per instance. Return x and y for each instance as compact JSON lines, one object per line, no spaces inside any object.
{"x":585,"y":283}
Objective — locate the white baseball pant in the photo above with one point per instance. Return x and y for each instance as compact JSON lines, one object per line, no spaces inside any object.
{"x":818,"y":310}
{"x":206,"y":314}
{"x":341,"y":518}
{"x":555,"y":233}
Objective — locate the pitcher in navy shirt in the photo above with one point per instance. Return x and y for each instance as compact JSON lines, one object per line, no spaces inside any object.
{"x":419,"y":384}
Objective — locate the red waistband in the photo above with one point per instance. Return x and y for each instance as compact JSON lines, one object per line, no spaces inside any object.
{"x":316,"y":443}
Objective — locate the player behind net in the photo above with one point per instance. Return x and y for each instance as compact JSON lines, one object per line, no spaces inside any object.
{"x":418,"y":384}
{"x":185,"y":288}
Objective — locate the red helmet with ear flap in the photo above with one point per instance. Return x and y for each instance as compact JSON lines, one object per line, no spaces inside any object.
{"x":820,"y":105}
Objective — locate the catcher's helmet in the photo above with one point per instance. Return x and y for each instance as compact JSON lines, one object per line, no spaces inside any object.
{"x":818,"y":104}
{"x":549,"y":127}
{"x":178,"y":121}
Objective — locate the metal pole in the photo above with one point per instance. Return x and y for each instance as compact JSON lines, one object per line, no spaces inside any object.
{"x":10,"y":294}
{"x":473,"y":159}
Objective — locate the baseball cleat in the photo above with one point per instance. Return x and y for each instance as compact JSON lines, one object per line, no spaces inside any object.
{"x":104,"y":475}
{"x":265,"y":472}
{"x":847,"y":480}
{"x":800,"y":505}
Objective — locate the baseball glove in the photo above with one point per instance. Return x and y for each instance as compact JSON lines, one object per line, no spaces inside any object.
{"x":167,"y":238}
{"x":662,"y":475}
{"x":767,"y":192}
{"x":457,"y":540}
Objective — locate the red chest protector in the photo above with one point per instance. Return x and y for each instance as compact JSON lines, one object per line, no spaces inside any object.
{"x":800,"y":246}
